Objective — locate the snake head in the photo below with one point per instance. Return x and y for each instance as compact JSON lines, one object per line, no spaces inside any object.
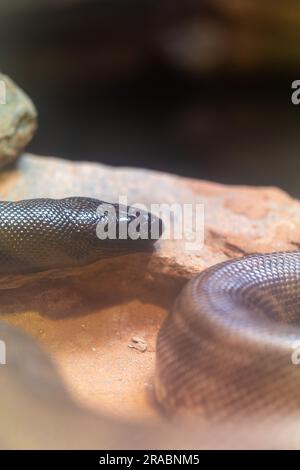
{"x":127,"y":226}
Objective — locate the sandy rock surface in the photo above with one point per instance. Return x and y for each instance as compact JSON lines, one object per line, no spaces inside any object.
{"x":99,"y":323}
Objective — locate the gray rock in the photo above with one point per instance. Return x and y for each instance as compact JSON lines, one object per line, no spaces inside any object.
{"x":18,"y":121}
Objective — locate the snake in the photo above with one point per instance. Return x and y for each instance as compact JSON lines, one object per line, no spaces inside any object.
{"x":228,"y":347}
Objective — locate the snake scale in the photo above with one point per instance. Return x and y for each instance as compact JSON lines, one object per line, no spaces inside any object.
{"x":225,"y":349}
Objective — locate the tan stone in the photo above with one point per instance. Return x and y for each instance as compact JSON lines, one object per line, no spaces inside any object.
{"x":86,"y":318}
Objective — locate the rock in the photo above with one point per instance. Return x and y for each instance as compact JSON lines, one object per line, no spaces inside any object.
{"x":86,"y":318}
{"x":238,"y":219}
{"x":18,"y":121}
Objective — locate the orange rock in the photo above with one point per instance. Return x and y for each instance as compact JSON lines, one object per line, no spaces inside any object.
{"x":86,"y":318}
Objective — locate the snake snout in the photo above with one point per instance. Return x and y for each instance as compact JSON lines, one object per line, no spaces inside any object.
{"x":139,"y":225}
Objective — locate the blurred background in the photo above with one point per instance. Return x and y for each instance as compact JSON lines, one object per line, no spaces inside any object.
{"x":194,"y":87}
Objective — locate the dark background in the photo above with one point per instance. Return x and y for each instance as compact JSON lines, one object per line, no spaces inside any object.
{"x":198,"y":88}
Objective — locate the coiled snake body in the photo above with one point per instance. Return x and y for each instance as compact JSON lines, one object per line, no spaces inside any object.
{"x":226,"y":348}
